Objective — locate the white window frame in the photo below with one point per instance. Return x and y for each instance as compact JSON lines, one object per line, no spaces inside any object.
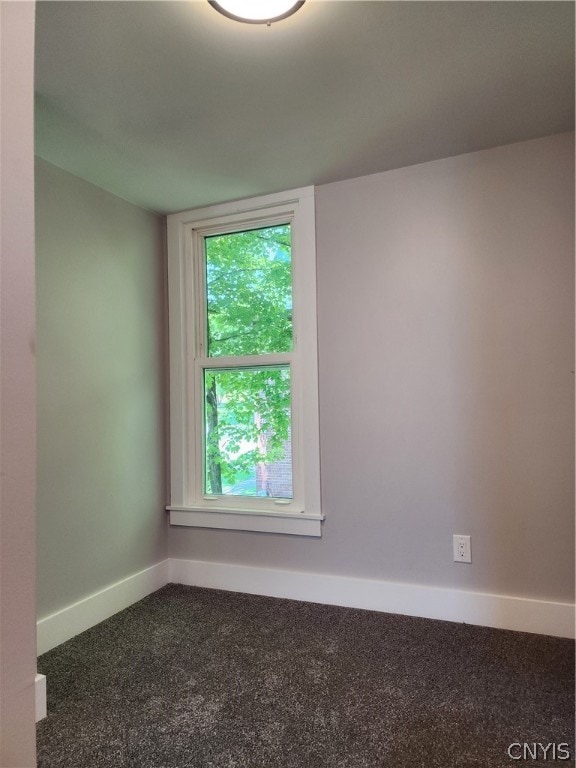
{"x":189,"y":506}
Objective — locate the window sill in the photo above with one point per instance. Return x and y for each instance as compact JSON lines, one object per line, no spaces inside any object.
{"x":296,"y":524}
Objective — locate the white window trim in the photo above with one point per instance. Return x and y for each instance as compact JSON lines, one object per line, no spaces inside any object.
{"x":188,"y":506}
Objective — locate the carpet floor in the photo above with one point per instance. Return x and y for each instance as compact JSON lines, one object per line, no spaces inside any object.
{"x":200,"y":678}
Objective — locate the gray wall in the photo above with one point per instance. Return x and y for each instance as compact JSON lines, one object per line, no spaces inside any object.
{"x":17,"y":390}
{"x":100,"y":319}
{"x":446,"y":319}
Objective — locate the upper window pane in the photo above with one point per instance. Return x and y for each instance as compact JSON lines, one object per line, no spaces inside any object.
{"x":249,"y":292}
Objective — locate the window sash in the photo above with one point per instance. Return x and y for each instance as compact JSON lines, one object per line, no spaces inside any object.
{"x":197,"y":256}
{"x":198,"y":436}
{"x":228,"y":501}
{"x":202,"y":277}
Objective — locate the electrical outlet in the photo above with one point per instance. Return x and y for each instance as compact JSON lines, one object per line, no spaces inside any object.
{"x":462,"y":550}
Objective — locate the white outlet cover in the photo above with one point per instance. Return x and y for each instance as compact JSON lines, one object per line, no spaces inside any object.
{"x":462,"y":548}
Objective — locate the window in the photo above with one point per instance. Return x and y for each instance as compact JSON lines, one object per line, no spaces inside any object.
{"x":243,"y":366}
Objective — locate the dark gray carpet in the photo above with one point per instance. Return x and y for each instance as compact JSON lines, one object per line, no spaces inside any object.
{"x":200,"y":678}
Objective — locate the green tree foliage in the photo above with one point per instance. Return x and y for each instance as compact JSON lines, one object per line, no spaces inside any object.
{"x":249,"y":312}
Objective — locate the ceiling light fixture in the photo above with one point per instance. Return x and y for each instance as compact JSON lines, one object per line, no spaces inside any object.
{"x":257,"y":11}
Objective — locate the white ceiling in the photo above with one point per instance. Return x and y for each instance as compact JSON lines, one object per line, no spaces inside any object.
{"x":172,"y":106}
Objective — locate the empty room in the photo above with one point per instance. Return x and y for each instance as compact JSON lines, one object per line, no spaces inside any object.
{"x":287,"y":384}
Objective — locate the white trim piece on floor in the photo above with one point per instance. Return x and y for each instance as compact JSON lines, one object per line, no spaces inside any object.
{"x":500,"y":611}
{"x":40,"y":695}
{"x":489,"y":610}
{"x":70,"y":621}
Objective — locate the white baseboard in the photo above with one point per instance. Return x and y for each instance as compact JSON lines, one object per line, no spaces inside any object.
{"x":70,"y":621}
{"x":500,"y":611}
{"x":40,"y":693}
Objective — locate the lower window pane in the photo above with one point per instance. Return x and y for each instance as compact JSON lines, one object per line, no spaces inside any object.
{"x":247,"y":432}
